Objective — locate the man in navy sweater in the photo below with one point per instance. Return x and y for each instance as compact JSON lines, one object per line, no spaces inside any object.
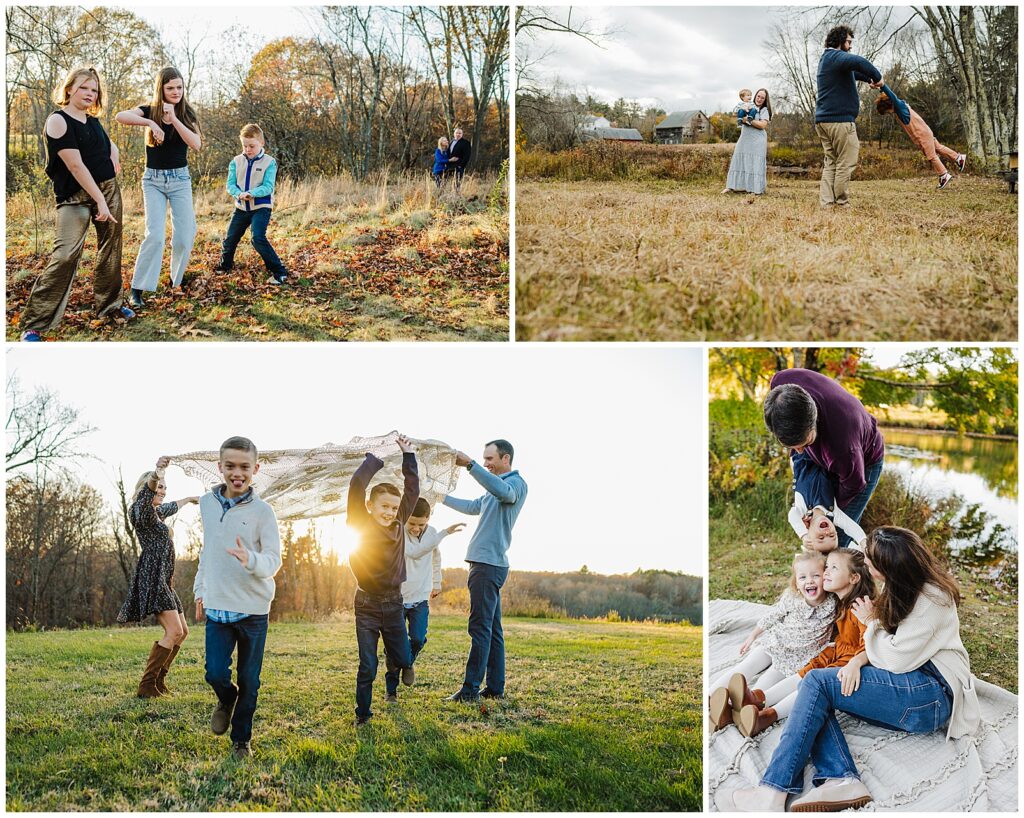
{"x":836,"y":111}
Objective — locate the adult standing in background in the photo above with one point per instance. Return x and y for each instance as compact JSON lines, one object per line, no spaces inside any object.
{"x":836,"y":111}
{"x":488,"y":565}
{"x":748,"y":168}
{"x":460,"y":150}
{"x":811,"y":413}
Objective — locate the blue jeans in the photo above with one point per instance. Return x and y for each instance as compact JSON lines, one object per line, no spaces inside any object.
{"x":250,"y":635}
{"x":855,"y":508}
{"x":257,"y":219}
{"x":416,"y":618}
{"x":159,"y":189}
{"x":378,"y":617}
{"x":916,"y":702}
{"x":487,"y":651}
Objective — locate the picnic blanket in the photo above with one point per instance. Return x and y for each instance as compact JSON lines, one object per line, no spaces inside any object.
{"x":903,"y":771}
{"x":300,"y":484}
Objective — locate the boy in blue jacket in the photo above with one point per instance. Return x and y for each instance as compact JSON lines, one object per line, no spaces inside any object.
{"x":251,"y":178}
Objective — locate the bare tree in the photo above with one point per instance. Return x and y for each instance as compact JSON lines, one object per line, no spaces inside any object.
{"x":42,"y":432}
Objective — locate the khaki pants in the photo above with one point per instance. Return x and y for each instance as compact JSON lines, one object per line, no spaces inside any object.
{"x":841,"y":146}
{"x":933,"y":151}
{"x":50,"y":294}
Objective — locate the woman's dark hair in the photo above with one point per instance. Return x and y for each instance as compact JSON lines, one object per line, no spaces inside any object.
{"x":790,"y":414}
{"x":863,"y":585}
{"x":883,"y":104}
{"x":836,"y":36}
{"x":907,"y":565}
{"x":767,"y":100}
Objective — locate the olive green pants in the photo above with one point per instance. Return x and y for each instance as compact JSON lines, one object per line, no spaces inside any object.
{"x":841,"y":146}
{"x":50,"y":294}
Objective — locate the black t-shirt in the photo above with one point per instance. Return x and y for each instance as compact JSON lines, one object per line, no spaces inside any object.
{"x":92,"y":142}
{"x":169,"y":154}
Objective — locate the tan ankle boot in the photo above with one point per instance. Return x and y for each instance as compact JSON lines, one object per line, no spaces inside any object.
{"x":157,"y":658}
{"x":719,"y":712}
{"x":740,"y":695}
{"x":753,"y":721}
{"x":162,"y":673}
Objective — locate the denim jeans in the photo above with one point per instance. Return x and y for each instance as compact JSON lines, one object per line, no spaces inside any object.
{"x":383,"y":617}
{"x":855,"y":508}
{"x":416,"y":618}
{"x":159,"y":189}
{"x":487,"y":651}
{"x":257,"y":220}
{"x":916,"y":702}
{"x":250,"y":635}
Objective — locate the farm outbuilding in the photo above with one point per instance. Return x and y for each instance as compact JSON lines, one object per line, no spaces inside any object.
{"x":589,"y":122}
{"x":681,"y":127}
{"x":613,"y":135}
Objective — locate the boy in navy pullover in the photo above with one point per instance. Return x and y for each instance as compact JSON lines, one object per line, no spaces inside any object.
{"x":378,"y":563}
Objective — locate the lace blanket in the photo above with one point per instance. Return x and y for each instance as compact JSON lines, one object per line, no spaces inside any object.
{"x":903,"y":772}
{"x":301,"y":484}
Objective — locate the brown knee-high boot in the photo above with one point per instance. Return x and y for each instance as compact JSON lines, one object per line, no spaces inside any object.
{"x":162,"y":673}
{"x":157,"y":658}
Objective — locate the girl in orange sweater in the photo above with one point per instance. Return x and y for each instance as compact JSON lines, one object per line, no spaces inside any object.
{"x":846,"y":576}
{"x":920,"y":134}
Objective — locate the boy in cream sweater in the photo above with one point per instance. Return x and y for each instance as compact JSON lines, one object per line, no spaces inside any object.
{"x":234,"y":586}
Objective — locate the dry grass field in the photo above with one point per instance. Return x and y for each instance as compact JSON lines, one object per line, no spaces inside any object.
{"x":663,"y":259}
{"x":388,"y":259}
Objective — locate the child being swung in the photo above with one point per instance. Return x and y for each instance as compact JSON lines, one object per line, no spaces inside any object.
{"x":846,"y":576}
{"x":920,"y":134}
{"x":815,"y":516}
{"x":785,"y":639}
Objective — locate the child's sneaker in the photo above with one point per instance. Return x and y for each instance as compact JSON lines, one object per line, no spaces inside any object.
{"x":361,"y":720}
{"x":391,"y":698}
{"x":31,"y":335}
{"x":408,"y":676}
{"x":241,"y":750}
{"x":944,"y":179}
{"x":961,"y":161}
{"x":223,"y":268}
{"x":279,"y":280}
{"x":124,"y":313}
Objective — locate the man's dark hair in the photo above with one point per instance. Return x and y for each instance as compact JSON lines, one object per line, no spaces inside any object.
{"x":422,"y":508}
{"x":836,"y":36}
{"x":242,"y":444}
{"x":383,"y":488}
{"x":503,"y":447}
{"x":790,"y":414}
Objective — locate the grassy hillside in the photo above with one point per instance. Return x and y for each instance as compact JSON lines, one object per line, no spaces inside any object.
{"x":598,"y":717}
{"x":370,"y":262}
{"x":677,"y":260}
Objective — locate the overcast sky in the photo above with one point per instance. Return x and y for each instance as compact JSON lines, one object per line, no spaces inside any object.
{"x":672,"y":57}
{"x":609,"y":439}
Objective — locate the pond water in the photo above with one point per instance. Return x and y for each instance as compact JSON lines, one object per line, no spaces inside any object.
{"x":980,"y":470}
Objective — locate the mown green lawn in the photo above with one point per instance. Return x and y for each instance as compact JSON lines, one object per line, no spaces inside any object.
{"x":599,"y":716}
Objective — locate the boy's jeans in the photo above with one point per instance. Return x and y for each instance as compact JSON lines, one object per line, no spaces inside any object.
{"x":378,"y":615}
{"x":416,"y":617}
{"x":855,"y":508}
{"x":250,"y":634}
{"x":916,"y":702}
{"x":258,"y":219}
{"x":487,"y":651}
{"x":160,"y":188}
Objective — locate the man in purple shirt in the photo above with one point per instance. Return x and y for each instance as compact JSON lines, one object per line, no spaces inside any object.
{"x":811,"y":413}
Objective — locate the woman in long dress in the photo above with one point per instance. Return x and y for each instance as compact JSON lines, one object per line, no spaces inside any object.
{"x":150,"y":593}
{"x":748,"y":170}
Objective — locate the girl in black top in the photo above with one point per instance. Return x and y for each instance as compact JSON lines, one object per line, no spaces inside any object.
{"x":83,"y":165}
{"x":172,"y":128}
{"x":150,"y":593}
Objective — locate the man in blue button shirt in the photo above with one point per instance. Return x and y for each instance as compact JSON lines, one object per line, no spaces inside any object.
{"x":488,"y":565}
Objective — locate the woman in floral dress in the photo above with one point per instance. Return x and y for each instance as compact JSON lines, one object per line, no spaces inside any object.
{"x":150,"y":592}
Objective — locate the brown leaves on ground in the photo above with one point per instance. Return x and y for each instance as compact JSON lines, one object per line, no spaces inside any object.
{"x":437,"y":289}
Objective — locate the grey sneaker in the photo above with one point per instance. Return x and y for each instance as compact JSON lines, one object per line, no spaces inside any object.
{"x":221,"y":718}
{"x":408,"y":676}
{"x":391,"y":698}
{"x":241,"y":750}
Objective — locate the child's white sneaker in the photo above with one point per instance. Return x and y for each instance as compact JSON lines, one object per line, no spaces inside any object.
{"x":961,"y":161}
{"x":944,"y":179}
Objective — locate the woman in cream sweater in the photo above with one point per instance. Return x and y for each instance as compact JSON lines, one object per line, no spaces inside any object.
{"x":919,"y":680}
